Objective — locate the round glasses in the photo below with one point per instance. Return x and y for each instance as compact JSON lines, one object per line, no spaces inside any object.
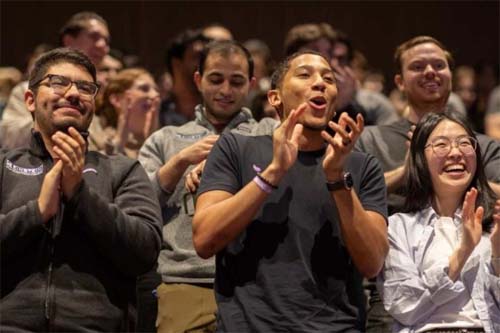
{"x":61,"y":84}
{"x":443,"y":145}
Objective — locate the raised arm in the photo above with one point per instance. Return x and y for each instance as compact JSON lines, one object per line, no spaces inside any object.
{"x":221,"y":216}
{"x":364,"y":232}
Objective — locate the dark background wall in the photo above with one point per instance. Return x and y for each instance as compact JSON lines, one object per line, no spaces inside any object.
{"x":471,"y":29}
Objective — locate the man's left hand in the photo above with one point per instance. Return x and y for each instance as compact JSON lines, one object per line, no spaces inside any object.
{"x":341,"y":144}
{"x":70,"y":149}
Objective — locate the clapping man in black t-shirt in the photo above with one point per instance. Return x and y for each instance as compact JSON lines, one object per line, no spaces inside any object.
{"x":295,"y":219}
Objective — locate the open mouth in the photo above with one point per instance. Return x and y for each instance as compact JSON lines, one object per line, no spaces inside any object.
{"x":318,"y":102}
{"x":454,"y":169}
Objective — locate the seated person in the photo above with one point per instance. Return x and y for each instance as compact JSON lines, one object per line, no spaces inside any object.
{"x":128,"y":112}
{"x":443,"y":267}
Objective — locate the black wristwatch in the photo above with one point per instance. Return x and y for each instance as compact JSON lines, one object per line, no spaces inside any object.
{"x":345,"y":183}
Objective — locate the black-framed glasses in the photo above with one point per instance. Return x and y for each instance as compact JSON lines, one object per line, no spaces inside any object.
{"x":442,"y":145}
{"x":61,"y":84}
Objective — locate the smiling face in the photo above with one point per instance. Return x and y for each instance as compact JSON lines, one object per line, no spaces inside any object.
{"x":309,"y":79}
{"x":425,"y":74}
{"x":142,"y":98}
{"x":93,"y":41}
{"x":453,"y":172}
{"x":224,"y":85}
{"x":55,"y":111}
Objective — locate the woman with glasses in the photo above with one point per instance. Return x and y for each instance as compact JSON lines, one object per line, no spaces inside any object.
{"x":443,"y":267}
{"x":128,"y":111}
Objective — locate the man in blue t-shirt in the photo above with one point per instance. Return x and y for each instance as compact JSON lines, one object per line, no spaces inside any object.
{"x":295,"y":220}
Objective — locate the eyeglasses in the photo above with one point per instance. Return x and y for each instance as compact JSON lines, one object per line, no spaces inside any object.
{"x":61,"y":84}
{"x":442,"y":145}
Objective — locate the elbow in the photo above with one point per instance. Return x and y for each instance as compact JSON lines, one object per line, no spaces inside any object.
{"x":202,"y":248}
{"x":375,"y":265}
{"x":371,"y":271}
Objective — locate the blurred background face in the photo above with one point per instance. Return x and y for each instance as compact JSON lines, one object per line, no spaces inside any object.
{"x":140,"y":99}
{"x":107,"y":69}
{"x":323,"y":46}
{"x":224,"y":85}
{"x":464,"y":85}
{"x":425,"y":75}
{"x":452,"y":173}
{"x":93,"y":41}
{"x":340,"y":54}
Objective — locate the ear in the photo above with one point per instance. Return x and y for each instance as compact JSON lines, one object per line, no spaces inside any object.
{"x":197,"y":80}
{"x":274,"y":99}
{"x":29,"y":101}
{"x":398,"y":80}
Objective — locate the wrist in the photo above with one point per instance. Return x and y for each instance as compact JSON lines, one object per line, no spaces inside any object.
{"x":463,"y":253}
{"x":334,"y":175}
{"x":273,"y":174}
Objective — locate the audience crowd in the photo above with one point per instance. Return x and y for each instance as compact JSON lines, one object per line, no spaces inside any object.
{"x":235,"y":192}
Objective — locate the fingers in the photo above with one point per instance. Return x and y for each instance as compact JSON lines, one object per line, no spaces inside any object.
{"x":193,"y":179}
{"x":478,"y":217}
{"x":291,"y":121}
{"x":297,"y":132}
{"x":469,"y":203}
{"x":346,"y":138}
{"x":55,"y":172}
{"x":70,"y":148}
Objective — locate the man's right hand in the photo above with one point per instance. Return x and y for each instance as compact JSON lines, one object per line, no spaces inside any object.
{"x":49,"y":198}
{"x":171,"y":172}
{"x":198,"y":151}
{"x":286,"y":144}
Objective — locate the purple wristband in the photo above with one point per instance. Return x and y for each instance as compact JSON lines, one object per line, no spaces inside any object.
{"x":262,"y":185}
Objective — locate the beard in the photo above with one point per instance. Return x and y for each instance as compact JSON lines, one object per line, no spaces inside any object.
{"x":44,"y":118}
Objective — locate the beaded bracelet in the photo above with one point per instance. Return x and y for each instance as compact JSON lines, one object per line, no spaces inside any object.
{"x":262,"y":185}
{"x":266,"y":181}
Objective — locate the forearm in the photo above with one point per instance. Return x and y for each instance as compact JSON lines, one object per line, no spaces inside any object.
{"x":365,"y":233}
{"x":495,"y":263}
{"x":171,"y":172}
{"x":394,"y":179}
{"x":220,"y":217}
{"x":456,"y":262}
{"x":126,"y":230}
{"x":19,"y":227}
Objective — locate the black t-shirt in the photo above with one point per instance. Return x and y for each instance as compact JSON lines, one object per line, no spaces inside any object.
{"x":289,"y":270}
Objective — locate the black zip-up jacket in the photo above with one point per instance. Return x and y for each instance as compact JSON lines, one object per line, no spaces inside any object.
{"x":77,"y":272}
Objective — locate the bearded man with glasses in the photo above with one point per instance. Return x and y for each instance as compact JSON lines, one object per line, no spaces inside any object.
{"x":76,"y":227}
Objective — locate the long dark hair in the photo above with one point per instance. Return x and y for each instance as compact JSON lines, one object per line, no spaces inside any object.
{"x":418,"y":179}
